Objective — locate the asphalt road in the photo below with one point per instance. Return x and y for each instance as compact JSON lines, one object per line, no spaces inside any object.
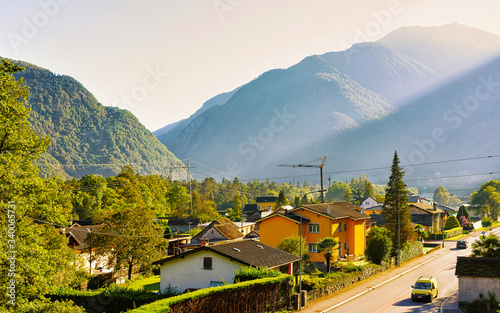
{"x":390,"y":291}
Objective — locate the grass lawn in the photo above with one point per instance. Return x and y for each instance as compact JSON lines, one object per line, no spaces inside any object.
{"x":149,"y":284}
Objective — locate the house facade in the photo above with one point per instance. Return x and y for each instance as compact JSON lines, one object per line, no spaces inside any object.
{"x":477,"y":276}
{"x":217,"y":231}
{"x":340,"y":220}
{"x":215,"y":265}
{"x":266,"y":203}
{"x":430,"y":217}
{"x":368,"y":203}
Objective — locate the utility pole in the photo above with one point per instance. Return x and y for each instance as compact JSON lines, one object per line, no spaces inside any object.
{"x":308,"y":165}
{"x":190,"y":191}
{"x":188,"y":168}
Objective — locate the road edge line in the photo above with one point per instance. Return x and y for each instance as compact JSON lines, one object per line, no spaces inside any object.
{"x":383,"y":283}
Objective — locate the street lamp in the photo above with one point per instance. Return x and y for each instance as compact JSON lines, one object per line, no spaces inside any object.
{"x":300,"y":245}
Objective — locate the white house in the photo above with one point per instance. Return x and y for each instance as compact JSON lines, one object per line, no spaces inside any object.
{"x":214,"y":265}
{"x":368,"y":203}
{"x":477,"y":276}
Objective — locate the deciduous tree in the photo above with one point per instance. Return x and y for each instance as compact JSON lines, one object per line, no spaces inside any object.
{"x":129,"y":235}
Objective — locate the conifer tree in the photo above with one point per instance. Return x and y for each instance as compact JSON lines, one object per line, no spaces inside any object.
{"x":282,"y":200}
{"x":397,"y":217}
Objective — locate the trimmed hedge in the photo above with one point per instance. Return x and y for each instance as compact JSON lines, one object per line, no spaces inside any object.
{"x":261,"y":294}
{"x":411,"y":249}
{"x":112,"y":299}
{"x":447,"y":234}
{"x":337,"y":281}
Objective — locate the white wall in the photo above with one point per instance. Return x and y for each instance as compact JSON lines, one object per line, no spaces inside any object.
{"x":469,"y":288}
{"x":188,"y":272}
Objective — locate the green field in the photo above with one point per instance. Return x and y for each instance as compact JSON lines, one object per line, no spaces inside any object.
{"x":149,"y":284}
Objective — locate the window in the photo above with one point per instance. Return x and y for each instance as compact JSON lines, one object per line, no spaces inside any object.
{"x":345,"y":226}
{"x":216,"y":283}
{"x":345,"y":245}
{"x":312,"y":247}
{"x":340,"y":227}
{"x":313,"y":228}
{"x":207,"y":263}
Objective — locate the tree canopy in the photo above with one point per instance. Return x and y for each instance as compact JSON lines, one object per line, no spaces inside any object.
{"x":397,"y":218}
{"x":34,"y":257}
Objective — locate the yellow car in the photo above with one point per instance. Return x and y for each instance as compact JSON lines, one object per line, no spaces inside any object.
{"x":425,"y":288}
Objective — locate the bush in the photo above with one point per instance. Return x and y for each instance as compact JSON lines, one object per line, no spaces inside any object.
{"x":112,"y":299}
{"x":378,"y":246}
{"x":250,"y":273}
{"x":46,"y":306}
{"x":411,"y":250}
{"x":481,"y":305}
{"x":486,"y":221}
{"x":451,"y":222}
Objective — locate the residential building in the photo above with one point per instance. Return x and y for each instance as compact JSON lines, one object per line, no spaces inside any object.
{"x":182,"y":225}
{"x":431,"y":218}
{"x":80,"y":240}
{"x":244,"y":227}
{"x":477,"y":276}
{"x":214,"y":265}
{"x":266,"y":203}
{"x":368,"y":203}
{"x":377,"y":209}
{"x":340,"y":220}
{"x":219,"y":230}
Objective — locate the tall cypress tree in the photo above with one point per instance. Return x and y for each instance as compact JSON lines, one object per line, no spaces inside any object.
{"x":397,"y":217}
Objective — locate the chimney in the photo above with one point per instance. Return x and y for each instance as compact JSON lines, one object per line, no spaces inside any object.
{"x":204,"y":242}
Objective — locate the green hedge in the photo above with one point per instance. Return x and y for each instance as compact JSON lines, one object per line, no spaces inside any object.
{"x":447,"y":234}
{"x":411,"y":250}
{"x":247,"y":273}
{"x":112,"y":299}
{"x":336,"y":281}
{"x":198,"y":296}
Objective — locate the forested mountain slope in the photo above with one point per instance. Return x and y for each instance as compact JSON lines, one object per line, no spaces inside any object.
{"x":87,"y":137}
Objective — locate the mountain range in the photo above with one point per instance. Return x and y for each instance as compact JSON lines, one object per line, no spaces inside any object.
{"x":87,"y":137}
{"x":412,"y":91}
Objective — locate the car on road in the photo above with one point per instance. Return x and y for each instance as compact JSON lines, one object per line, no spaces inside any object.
{"x":425,"y":289}
{"x":461,"y":244}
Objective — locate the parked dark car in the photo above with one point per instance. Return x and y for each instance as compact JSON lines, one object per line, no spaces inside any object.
{"x":461,"y":244}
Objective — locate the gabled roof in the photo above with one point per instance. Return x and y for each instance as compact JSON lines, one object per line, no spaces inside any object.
{"x":413,"y":199}
{"x":266,"y":199}
{"x":446,"y":208}
{"x":417,"y":208}
{"x":79,"y":234}
{"x":336,"y":210}
{"x":285,"y":214}
{"x":250,"y":208}
{"x":478,"y":267}
{"x":224,"y":226}
{"x":246,"y":252}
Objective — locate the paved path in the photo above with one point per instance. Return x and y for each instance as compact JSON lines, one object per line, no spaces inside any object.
{"x":451,"y":305}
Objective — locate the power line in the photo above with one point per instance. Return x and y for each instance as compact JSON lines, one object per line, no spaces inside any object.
{"x":93,"y":231}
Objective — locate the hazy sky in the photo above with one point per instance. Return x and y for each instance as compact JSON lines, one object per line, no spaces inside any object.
{"x":161,"y":59}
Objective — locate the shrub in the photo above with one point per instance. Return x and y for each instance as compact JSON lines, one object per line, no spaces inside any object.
{"x":112,"y":299}
{"x":250,"y":273}
{"x":481,"y":305}
{"x":451,"y":222}
{"x":486,"y":221}
{"x":378,"y":246}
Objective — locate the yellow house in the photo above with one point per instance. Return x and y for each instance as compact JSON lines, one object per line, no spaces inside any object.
{"x":340,"y":220}
{"x":374,"y":210}
{"x":266,"y":203}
